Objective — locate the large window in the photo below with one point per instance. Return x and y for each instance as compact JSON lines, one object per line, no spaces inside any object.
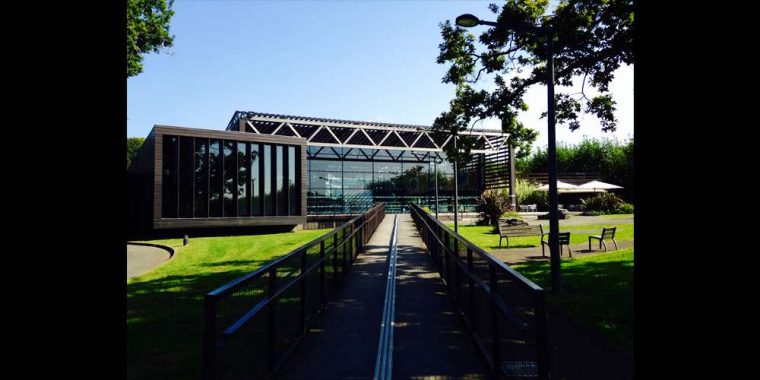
{"x":363,"y":177}
{"x":293,"y":164}
{"x":186,"y":171}
{"x":201,"y":178}
{"x":212,"y":178}
{"x":255,"y":180}
{"x":243,"y":183}
{"x":282,"y":196}
{"x":230,"y":177}
{"x":268,"y":199}
{"x":170,"y":176}
{"x":216,"y":168}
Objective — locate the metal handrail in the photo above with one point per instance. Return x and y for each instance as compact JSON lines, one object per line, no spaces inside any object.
{"x":437,"y":236}
{"x":384,"y":360}
{"x":346,"y":241}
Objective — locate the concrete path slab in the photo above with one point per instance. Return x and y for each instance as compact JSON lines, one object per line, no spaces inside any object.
{"x":430,"y":340}
{"x":343,"y":342}
{"x":141,"y":259}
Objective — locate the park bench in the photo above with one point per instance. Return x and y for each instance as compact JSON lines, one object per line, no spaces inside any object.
{"x":564,"y":239}
{"x":506,"y":230}
{"x":607,"y":233}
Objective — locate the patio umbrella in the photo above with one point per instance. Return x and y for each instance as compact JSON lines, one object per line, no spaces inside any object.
{"x":560,"y":186}
{"x":599,"y":185}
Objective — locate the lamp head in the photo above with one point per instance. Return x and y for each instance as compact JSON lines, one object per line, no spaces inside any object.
{"x":467,"y":20}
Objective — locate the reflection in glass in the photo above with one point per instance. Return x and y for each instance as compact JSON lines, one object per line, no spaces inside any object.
{"x":215,"y":165}
{"x":243,"y":185}
{"x":282,"y":200}
{"x":267,"y":160}
{"x":186,"y":169}
{"x":230,"y":175}
{"x":169,"y":177}
{"x":292,"y":175}
{"x":255,"y":180}
{"x":201,"y":177}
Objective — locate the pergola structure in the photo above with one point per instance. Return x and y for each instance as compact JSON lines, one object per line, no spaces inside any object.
{"x":387,"y":141}
{"x":360,"y":134}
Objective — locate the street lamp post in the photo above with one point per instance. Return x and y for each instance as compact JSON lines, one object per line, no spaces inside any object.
{"x":435,"y":170}
{"x":468,"y":21}
{"x":456,"y":189}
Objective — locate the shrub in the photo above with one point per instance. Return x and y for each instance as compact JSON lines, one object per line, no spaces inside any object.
{"x":625,"y":208}
{"x":605,"y":203}
{"x":427,"y":210}
{"x":492,"y":204}
{"x":527,"y":194}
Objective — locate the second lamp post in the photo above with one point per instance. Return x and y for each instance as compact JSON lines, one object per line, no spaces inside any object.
{"x":468,"y":20}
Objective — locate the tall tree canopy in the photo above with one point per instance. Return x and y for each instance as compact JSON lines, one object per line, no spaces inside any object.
{"x":133,"y":145}
{"x":147,"y":30}
{"x":591,"y":38}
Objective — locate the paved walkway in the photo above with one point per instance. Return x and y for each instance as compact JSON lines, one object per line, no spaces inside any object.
{"x":429,"y":341}
{"x":142,"y":258}
{"x":343,"y":342}
{"x":519,"y":255}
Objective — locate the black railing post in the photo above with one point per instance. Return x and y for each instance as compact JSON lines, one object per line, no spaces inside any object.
{"x":445,"y":273}
{"x":335,"y":259}
{"x":345,"y":245}
{"x":303,"y":292}
{"x":542,"y":343}
{"x":209,"y":336}
{"x":455,"y":256}
{"x":494,"y":284}
{"x":271,"y":336}
{"x":321,"y":273}
{"x":470,"y":288}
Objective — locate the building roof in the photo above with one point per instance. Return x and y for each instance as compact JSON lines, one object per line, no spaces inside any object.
{"x":233,"y":124}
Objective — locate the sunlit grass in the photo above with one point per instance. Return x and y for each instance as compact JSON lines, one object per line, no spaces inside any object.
{"x":486,"y":238}
{"x":597,"y":291}
{"x":165,"y":306}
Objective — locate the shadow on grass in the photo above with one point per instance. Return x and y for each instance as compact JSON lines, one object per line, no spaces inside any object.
{"x":595,"y":294}
{"x":165,"y":321}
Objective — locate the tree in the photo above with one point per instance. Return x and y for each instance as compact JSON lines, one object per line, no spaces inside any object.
{"x":592,"y":38}
{"x":133,"y":145}
{"x":147,"y":30}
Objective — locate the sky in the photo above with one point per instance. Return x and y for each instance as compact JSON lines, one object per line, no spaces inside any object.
{"x":355,"y":60}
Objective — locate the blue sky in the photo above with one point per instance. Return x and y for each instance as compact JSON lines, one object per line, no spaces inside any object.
{"x":358,"y":60}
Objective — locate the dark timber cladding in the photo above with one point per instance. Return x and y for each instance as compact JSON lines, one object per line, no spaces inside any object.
{"x":204,"y":178}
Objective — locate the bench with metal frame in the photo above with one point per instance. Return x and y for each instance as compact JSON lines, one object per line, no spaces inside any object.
{"x":505,"y":231}
{"x":564,"y":239}
{"x":607,"y":233}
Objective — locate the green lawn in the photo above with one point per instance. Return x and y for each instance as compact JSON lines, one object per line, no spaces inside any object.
{"x":165,"y":306}
{"x":484,"y":237}
{"x":597,"y":292}
{"x":614,"y":216}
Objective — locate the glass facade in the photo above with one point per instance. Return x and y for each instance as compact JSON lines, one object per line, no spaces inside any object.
{"x":204,"y":178}
{"x":213,"y":178}
{"x":350,"y":180}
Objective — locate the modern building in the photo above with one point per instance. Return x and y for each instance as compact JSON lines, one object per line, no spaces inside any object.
{"x":270,"y":169}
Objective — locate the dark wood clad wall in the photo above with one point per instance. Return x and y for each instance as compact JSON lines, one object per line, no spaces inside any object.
{"x":158,"y":222}
{"x":243,"y":221}
{"x":157,"y":177}
{"x":140,"y":187}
